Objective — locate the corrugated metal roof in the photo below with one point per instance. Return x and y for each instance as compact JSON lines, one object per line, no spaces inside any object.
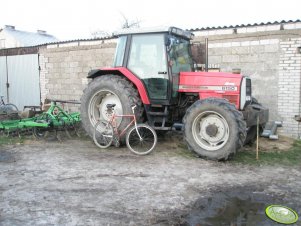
{"x":54,"y":40}
{"x":80,"y":40}
{"x":29,"y":38}
{"x":192,"y":30}
{"x":245,"y":25}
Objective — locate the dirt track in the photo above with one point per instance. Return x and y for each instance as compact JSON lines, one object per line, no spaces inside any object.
{"x":75,"y":183}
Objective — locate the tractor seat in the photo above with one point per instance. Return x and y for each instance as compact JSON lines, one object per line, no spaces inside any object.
{"x":110,"y":106}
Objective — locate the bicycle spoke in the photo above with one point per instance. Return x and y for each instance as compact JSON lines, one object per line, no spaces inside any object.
{"x":103,"y":134}
{"x":142,"y":143}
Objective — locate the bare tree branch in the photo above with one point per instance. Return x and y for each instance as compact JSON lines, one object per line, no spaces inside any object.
{"x":100,"y":34}
{"x":127,"y":23}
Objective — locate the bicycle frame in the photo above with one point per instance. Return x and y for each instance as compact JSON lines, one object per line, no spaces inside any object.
{"x":2,"y":101}
{"x":114,"y":123}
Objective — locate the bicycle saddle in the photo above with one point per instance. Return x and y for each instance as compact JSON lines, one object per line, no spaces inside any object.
{"x":110,"y":106}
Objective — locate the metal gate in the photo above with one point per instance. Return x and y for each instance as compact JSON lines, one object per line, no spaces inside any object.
{"x":19,"y":79}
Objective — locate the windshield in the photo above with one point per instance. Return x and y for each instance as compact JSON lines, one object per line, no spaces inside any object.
{"x":179,"y":55}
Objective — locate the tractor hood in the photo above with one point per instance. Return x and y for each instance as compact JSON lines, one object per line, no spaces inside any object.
{"x":210,"y":82}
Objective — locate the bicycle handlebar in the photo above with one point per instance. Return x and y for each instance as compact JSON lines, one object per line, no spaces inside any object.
{"x":133,"y":106}
{"x":111,"y":106}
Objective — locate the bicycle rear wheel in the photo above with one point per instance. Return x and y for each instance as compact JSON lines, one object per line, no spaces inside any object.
{"x":103,"y":134}
{"x":10,"y":108}
{"x":144,"y":145}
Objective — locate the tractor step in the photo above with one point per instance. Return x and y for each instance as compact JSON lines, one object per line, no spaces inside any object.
{"x":162,"y":128}
{"x":158,"y":116}
{"x":154,"y":113}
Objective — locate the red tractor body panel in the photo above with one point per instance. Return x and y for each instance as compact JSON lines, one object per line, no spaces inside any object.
{"x":212,"y":84}
{"x":127,"y":73}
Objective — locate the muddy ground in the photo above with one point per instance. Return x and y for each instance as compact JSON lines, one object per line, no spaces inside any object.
{"x":75,"y":183}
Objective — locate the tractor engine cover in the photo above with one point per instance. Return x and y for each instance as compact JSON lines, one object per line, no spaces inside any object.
{"x":212,"y":84}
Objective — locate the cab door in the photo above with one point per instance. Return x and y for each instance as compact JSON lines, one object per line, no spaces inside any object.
{"x":147,"y":60}
{"x":179,"y":60}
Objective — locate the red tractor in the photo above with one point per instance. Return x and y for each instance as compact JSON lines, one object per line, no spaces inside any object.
{"x":154,"y":70}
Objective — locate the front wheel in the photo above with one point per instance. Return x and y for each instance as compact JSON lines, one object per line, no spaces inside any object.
{"x":103,"y":134}
{"x":141,"y":140}
{"x":214,"y":128}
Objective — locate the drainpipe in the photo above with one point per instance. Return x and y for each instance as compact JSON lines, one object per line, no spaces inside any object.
{"x":7,"y":84}
{"x":298,"y":117}
{"x":41,"y":102}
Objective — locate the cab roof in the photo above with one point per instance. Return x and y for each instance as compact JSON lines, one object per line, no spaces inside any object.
{"x":170,"y":30}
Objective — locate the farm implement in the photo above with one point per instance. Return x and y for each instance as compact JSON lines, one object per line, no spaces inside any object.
{"x":53,"y":120}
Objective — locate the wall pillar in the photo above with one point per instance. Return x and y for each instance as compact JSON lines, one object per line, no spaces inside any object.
{"x":289,"y":85}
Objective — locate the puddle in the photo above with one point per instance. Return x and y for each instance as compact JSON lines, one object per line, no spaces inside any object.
{"x":7,"y":157}
{"x":237,"y":206}
{"x":228,"y":212}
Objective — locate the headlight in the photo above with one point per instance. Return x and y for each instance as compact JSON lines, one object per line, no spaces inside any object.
{"x":245,"y":92}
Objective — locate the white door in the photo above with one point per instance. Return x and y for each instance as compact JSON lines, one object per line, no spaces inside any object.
{"x":3,"y":77}
{"x":23,"y":79}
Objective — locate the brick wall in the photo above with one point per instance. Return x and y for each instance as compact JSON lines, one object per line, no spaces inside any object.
{"x":64,"y":67}
{"x":257,"y":59}
{"x":290,"y":85}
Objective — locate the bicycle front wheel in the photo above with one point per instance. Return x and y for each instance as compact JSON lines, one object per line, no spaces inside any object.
{"x":141,"y":140}
{"x":103,"y":134}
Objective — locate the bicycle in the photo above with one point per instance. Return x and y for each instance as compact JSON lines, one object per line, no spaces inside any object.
{"x":7,"y":108}
{"x":141,"y":139}
{"x":8,"y":111}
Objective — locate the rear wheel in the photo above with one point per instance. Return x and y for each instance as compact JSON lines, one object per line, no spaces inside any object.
{"x":103,"y":134}
{"x":108,"y":89}
{"x":141,"y":140}
{"x":9,"y":108}
{"x":214,"y":128}
{"x":9,"y":112}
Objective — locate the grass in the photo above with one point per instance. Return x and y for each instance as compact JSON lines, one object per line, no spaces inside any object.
{"x":11,"y":140}
{"x":289,"y":157}
{"x":271,"y":157}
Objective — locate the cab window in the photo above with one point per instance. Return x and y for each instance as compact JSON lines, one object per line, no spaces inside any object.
{"x":147,"y":60}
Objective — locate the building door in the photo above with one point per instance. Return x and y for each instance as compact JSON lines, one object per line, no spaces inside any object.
{"x":21,"y":72}
{"x":3,"y":77}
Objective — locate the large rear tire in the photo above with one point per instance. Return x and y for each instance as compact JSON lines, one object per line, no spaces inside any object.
{"x":214,"y":128}
{"x":108,"y":89}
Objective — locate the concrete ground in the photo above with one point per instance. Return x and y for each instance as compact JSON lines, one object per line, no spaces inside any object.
{"x":76,"y":183}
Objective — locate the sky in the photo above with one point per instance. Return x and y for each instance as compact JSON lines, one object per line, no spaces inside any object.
{"x":68,"y":20}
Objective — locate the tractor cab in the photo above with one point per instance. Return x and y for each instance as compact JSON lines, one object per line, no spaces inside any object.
{"x":156,"y":57}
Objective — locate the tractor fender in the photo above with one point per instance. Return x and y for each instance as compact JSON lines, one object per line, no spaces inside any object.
{"x":121,"y":71}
